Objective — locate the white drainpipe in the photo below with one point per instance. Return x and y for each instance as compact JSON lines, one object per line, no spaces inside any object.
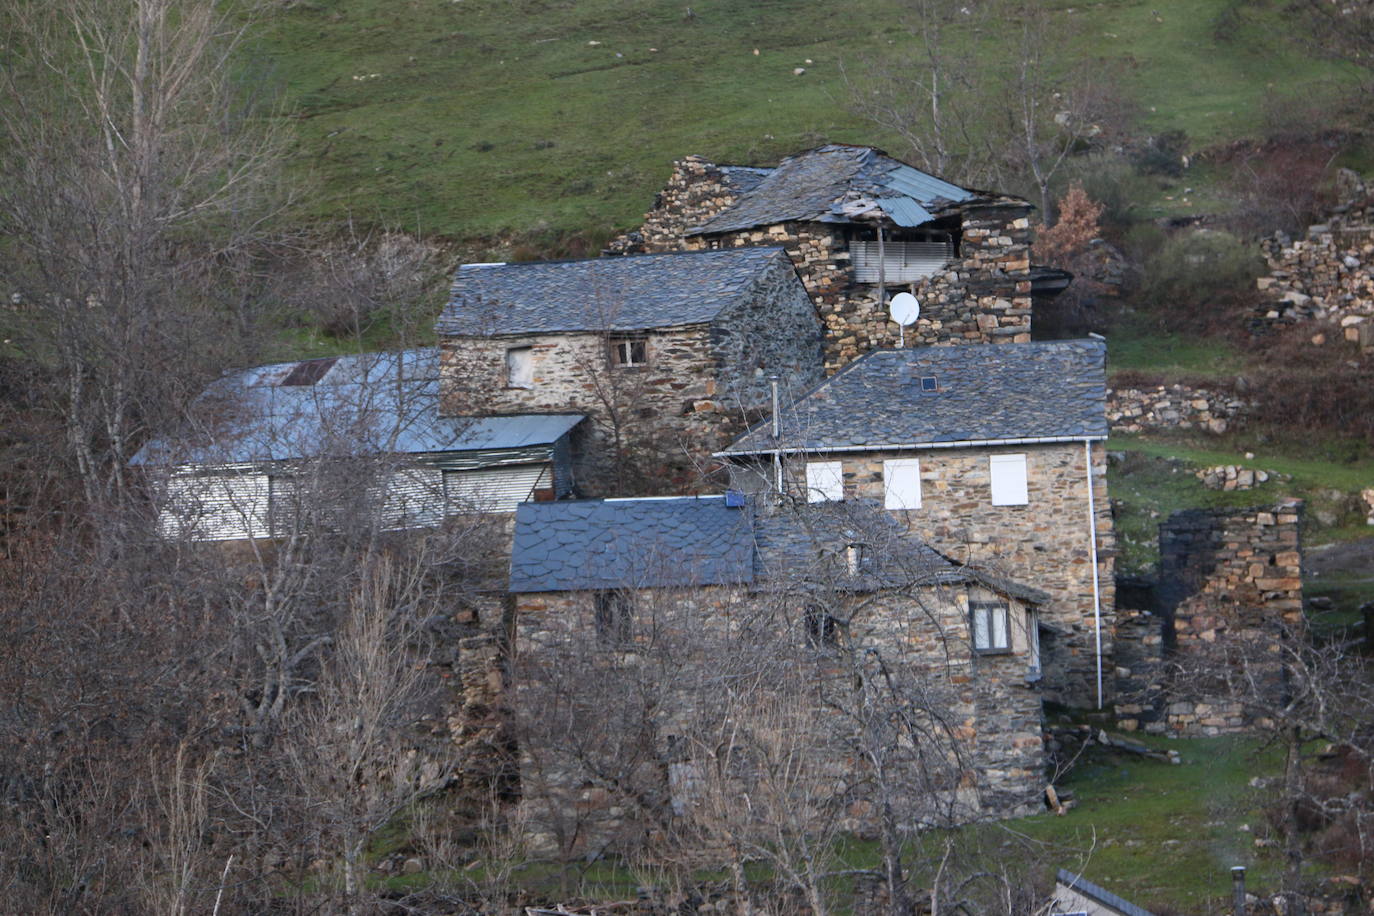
{"x":1097,"y":591}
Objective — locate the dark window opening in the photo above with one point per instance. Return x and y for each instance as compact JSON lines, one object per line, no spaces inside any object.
{"x":309,"y":372}
{"x":822,"y":630}
{"x":629,"y":352}
{"x":614,"y":614}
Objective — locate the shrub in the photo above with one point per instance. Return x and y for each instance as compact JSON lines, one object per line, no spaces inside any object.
{"x":1162,"y":154}
{"x":1198,"y":277}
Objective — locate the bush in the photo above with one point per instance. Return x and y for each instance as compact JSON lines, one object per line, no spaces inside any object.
{"x":1162,"y":154}
{"x":1198,"y":277}
{"x":1112,"y":182}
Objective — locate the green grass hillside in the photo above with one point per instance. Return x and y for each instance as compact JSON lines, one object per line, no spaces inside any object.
{"x":478,"y":118}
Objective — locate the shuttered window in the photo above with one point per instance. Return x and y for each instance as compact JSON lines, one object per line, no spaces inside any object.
{"x":902,"y":483}
{"x":1008,"y":475}
{"x":824,"y":481}
{"x":901,"y":262}
{"x":496,"y":489}
{"x":520,"y":367}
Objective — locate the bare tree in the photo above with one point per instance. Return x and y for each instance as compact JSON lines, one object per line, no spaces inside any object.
{"x":135,"y":175}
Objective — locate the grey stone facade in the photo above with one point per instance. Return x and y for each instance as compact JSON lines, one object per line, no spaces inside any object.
{"x":616,"y":780}
{"x":702,"y":382}
{"x":1045,"y":542}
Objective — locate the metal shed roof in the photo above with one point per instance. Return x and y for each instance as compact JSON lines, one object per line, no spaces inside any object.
{"x":368,"y":403}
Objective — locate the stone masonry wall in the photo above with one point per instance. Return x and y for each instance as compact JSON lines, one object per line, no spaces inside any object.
{"x":984,"y":295}
{"x":593,"y":791}
{"x":1329,"y":274}
{"x":1226,"y":576}
{"x":1044,"y":544}
{"x":1164,"y":407}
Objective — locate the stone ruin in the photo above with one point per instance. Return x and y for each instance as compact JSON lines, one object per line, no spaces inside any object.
{"x":1226,"y":576}
{"x":1328,"y":275}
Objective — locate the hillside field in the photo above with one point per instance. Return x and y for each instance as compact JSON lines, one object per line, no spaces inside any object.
{"x":534,"y":119}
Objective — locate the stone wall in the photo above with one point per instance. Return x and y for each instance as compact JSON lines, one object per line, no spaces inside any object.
{"x":1227,"y":577}
{"x":1168,"y":407}
{"x":624,"y":742}
{"x":1328,"y":275}
{"x":1044,"y":544}
{"x":702,"y":385}
{"x":984,"y":296}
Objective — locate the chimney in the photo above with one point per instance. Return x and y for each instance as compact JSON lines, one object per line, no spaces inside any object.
{"x":853,"y":558}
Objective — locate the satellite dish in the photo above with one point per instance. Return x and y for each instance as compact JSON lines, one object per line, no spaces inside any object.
{"x":904,"y":309}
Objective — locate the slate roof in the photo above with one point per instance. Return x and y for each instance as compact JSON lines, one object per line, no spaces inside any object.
{"x":1042,"y":389}
{"x":364,"y":403}
{"x":633,"y":543}
{"x":839,"y":184}
{"x":630,"y":293}
{"x":695,"y":541}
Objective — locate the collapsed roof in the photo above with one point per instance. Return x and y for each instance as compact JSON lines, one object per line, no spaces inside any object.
{"x":840,"y":184}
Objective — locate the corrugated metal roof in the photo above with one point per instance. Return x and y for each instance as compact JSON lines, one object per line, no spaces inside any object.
{"x":631,"y":293}
{"x":835,"y":184}
{"x":369,"y":403}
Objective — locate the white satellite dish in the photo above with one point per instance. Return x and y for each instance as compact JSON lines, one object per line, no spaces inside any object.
{"x":904,"y":309}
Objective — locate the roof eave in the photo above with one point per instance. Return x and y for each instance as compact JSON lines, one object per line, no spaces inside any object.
{"x":898,"y":446}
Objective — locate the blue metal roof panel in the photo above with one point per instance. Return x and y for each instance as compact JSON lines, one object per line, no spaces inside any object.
{"x":905,"y":212}
{"x":927,"y":189}
{"x":369,"y":403}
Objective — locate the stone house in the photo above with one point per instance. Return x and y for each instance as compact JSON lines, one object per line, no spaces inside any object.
{"x":862,"y":226}
{"x":274,"y":444}
{"x":648,"y":634}
{"x":993,"y":455}
{"x":668,"y":355}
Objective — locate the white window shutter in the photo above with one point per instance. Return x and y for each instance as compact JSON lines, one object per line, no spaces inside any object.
{"x":1008,"y":473}
{"x":902,"y":483}
{"x":520,"y":367}
{"x":824,"y":481}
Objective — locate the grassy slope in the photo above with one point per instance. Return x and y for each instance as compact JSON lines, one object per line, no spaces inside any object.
{"x":493,"y":116}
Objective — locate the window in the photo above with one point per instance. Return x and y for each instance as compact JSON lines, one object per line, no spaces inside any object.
{"x":989,"y":625}
{"x":820,"y":627}
{"x":902,"y":483}
{"x":1008,"y":473}
{"x":1032,"y":643}
{"x":928,"y":383}
{"x":520,"y":367}
{"x":614,"y":613}
{"x":629,"y":352}
{"x":824,"y":481}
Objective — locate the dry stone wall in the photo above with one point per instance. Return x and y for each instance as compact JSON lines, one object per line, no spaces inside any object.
{"x":1172,"y":407}
{"x":1328,"y":275}
{"x":1227,"y":577}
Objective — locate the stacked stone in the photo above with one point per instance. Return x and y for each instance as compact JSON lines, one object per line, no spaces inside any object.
{"x":1166,"y":407}
{"x":1139,"y":661}
{"x":697,"y":191}
{"x":1329,"y":274}
{"x":1228,"y":576}
{"x":1235,"y":477}
{"x":1368,"y":497}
